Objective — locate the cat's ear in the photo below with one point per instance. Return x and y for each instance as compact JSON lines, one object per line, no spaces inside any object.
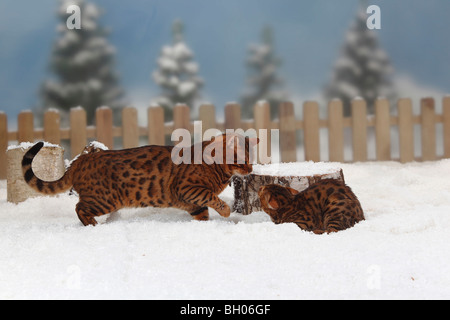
{"x":253,"y":141}
{"x":292,"y":191}
{"x":273,"y":203}
{"x":229,"y":139}
{"x":219,"y":139}
{"x":212,"y":152}
{"x":267,"y":199}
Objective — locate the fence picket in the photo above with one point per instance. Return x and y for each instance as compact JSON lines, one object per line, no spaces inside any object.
{"x":207,"y":116}
{"x":155,"y":118}
{"x":78,"y":134}
{"x":405,"y":130}
{"x":382,"y":130}
{"x":311,"y":131}
{"x":182,"y":117}
{"x":336,"y":131}
{"x":288,"y":137}
{"x":104,"y":121}
{"x":446,"y":130}
{"x":262,"y":122}
{"x":232,"y":116}
{"x":428,"y":130}
{"x":25,"y":125}
{"x":130,"y":128}
{"x":52,"y":132}
{"x":359,"y":129}
{"x":3,"y":144}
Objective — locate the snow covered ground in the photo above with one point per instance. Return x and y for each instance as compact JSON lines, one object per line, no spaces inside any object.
{"x":401,"y":251}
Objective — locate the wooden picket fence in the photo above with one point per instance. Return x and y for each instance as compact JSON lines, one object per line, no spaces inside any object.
{"x":78,"y":134}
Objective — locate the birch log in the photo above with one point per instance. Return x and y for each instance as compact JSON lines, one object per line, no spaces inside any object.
{"x":48,"y":165}
{"x":299,"y":176}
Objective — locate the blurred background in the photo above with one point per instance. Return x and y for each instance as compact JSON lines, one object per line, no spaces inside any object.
{"x":140,"y":52}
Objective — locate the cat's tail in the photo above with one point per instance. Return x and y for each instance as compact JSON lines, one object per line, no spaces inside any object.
{"x":46,"y":187}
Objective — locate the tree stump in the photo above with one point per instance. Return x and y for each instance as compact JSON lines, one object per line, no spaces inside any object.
{"x":297,"y":175}
{"x":48,"y":165}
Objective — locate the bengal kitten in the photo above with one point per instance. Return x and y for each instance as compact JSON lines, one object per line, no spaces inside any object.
{"x":326,"y":206}
{"x":109,"y":180}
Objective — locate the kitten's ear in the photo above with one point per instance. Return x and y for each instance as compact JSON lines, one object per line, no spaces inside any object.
{"x":273,"y":203}
{"x":251,"y":141}
{"x":267,"y":199}
{"x":219,"y":139}
{"x":230,"y":140}
{"x":292,"y":191}
{"x":212,"y":152}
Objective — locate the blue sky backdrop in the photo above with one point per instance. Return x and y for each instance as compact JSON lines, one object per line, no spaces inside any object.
{"x":308,"y":36}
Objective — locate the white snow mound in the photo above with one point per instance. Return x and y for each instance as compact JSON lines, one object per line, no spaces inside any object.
{"x":401,"y":250}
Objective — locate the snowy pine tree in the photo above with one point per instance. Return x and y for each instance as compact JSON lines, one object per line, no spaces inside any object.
{"x":177,"y":73}
{"x":363,"y":68}
{"x":263,"y":81}
{"x":82,"y":62}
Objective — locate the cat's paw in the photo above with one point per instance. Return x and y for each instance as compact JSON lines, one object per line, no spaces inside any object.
{"x":225,"y":212}
{"x":201,"y":214}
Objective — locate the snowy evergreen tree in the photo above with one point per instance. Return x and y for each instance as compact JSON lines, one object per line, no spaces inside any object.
{"x":177,"y":73}
{"x":263,"y":81}
{"x":363,"y":68}
{"x":82,"y":62}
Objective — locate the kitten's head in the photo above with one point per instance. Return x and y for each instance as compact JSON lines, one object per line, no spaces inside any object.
{"x":234,"y":151}
{"x":276,"y":200}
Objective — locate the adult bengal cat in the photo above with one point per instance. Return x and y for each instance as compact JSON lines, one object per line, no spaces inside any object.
{"x":109,"y":180}
{"x":326,"y":206}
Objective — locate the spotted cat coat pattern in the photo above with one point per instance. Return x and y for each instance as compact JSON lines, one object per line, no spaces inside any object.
{"x":109,"y":180}
{"x":326,"y":206}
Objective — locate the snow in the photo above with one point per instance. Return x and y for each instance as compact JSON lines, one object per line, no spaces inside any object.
{"x":308,"y":168}
{"x":191,"y":67}
{"x":181,"y":51}
{"x":186,"y":88}
{"x":98,"y":145}
{"x":348,"y":89}
{"x":401,"y":250}
{"x":27,"y":145}
{"x":168,"y":64}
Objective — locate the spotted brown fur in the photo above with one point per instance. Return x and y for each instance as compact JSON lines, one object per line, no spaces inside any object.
{"x":109,"y":180}
{"x":326,"y":206}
